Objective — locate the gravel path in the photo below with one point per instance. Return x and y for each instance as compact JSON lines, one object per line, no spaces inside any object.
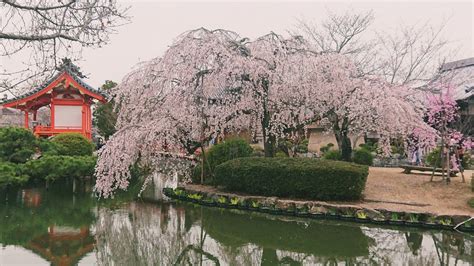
{"x":390,"y":184}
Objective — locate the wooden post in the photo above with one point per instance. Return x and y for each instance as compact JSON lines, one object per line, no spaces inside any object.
{"x":440,"y":158}
{"x":472,"y":182}
{"x":461,"y":169}
{"x":52,"y":113}
{"x":203,"y":153}
{"x":448,"y":171}
{"x":26,"y":120}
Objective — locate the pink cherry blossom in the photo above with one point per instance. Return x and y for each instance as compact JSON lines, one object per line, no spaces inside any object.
{"x":209,"y":83}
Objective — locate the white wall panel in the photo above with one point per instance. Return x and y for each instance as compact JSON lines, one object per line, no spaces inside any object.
{"x":67,"y":116}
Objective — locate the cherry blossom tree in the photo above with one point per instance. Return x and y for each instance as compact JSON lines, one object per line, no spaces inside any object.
{"x":211,"y":82}
{"x":352,"y":104}
{"x":170,"y":106}
{"x":442,"y":108}
{"x":276,"y":90}
{"x":286,"y":86}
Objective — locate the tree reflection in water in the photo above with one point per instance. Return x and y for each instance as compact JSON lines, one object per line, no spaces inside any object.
{"x":62,"y":228}
{"x":183,"y":234}
{"x":53,"y":225}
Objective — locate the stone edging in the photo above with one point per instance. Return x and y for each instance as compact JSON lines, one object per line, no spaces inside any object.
{"x":313,"y":209}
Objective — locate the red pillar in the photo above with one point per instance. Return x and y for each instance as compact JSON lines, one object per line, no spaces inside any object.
{"x":26,"y":120}
{"x":84,"y":120}
{"x":90,"y":120}
{"x":52,"y":115}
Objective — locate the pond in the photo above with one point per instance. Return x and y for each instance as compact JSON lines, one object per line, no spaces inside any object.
{"x":39,"y":227}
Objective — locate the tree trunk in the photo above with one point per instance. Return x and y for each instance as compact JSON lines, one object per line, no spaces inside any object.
{"x":203,"y":159}
{"x":344,"y":143}
{"x":343,"y":140}
{"x":269,"y":146}
{"x":269,"y":139}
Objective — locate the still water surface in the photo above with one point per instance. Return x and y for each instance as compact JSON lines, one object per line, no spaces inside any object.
{"x":58,"y":228}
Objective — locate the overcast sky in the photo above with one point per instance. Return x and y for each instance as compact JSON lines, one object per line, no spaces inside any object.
{"x":155,"y":24}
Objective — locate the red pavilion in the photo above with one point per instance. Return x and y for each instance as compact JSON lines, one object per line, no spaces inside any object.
{"x":68,"y":98}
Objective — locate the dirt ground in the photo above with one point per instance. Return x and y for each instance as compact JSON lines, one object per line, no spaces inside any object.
{"x":391,"y":185}
{"x":390,"y":189}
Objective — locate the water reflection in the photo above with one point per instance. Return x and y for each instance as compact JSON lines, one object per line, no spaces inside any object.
{"x":54,"y":226}
{"x":66,"y":230}
{"x":191,"y":235}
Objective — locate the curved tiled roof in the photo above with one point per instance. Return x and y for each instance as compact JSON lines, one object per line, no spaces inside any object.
{"x":68,"y":67}
{"x":460,"y":74}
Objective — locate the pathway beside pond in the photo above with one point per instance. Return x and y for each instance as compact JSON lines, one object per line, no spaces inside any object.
{"x":390,"y":189}
{"x":391,"y":185}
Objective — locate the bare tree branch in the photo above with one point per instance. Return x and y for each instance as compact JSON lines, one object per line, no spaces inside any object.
{"x":37,"y":37}
{"x":35,"y":33}
{"x":409,"y":55}
{"x":413,"y":54}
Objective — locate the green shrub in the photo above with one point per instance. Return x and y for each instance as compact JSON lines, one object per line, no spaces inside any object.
{"x":222,"y":152}
{"x":280,"y":154}
{"x":397,"y":146}
{"x":433,"y":158}
{"x":466,"y":161}
{"x":302,"y":147}
{"x":333,"y":155}
{"x":73,"y":144}
{"x":363,"y":156}
{"x":326,"y":148}
{"x":47,"y":147}
{"x":370,"y":146}
{"x":16,"y":144}
{"x":11,"y":174}
{"x":293,"y":177}
{"x":288,"y":146}
{"x":55,"y":167}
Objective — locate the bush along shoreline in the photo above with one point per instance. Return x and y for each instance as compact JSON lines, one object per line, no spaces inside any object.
{"x":321,"y":210}
{"x":303,"y":178}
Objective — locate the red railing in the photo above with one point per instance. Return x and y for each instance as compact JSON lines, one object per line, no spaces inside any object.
{"x":48,"y":131}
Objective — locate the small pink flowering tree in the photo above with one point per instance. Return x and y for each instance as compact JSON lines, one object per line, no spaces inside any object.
{"x":441,"y":112}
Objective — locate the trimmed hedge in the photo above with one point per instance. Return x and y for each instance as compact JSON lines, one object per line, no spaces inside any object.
{"x":303,"y":178}
{"x":73,"y":144}
{"x":219,"y":153}
{"x":363,"y":156}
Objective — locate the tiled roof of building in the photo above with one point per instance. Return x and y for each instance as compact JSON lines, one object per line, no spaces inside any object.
{"x":66,"y":66}
{"x":469,"y":62}
{"x":460,"y":74}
